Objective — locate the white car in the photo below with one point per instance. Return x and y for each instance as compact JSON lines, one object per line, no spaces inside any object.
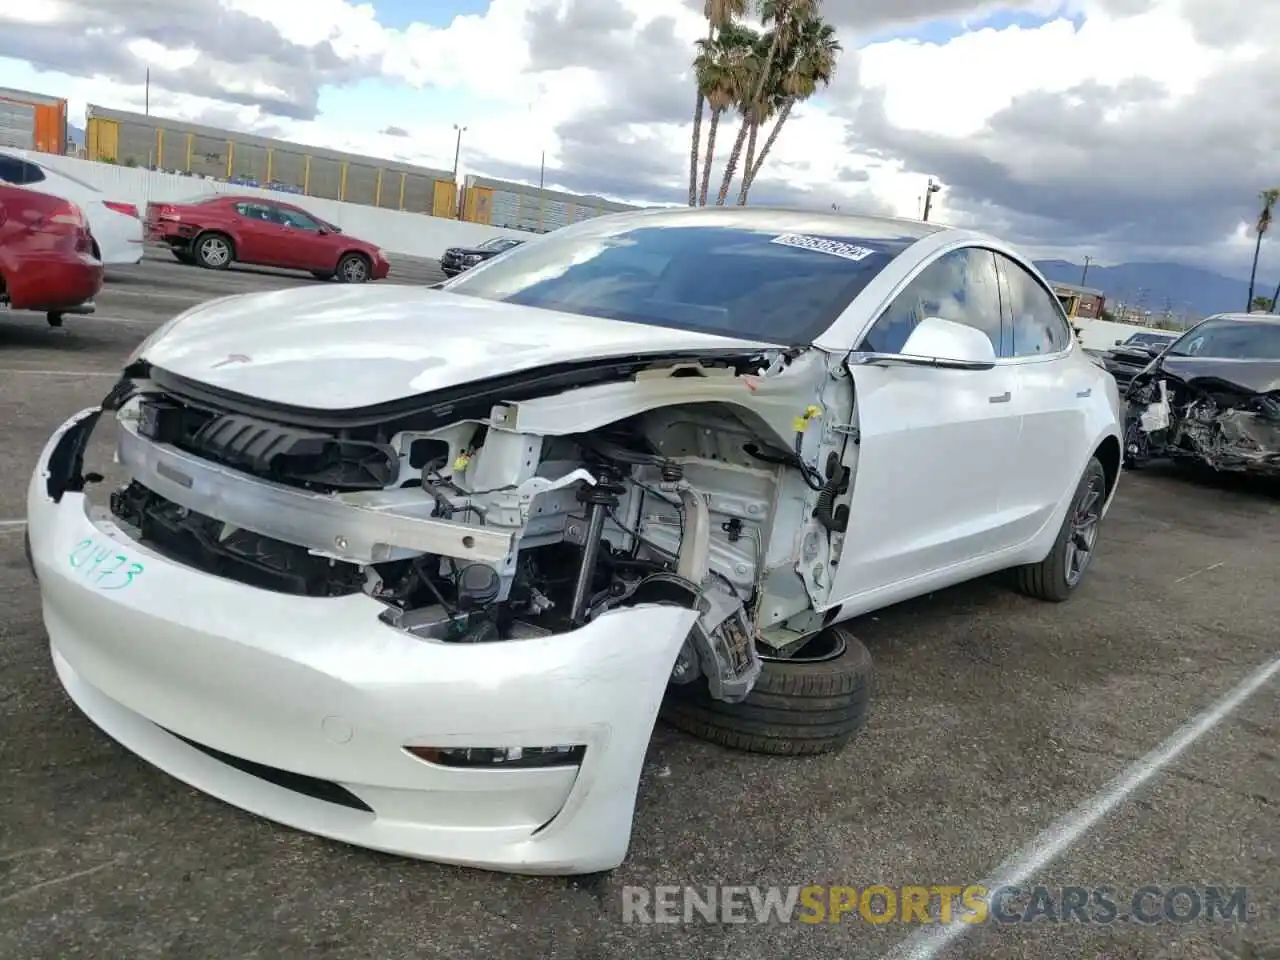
{"x":116,"y":226}
{"x":417,"y":568}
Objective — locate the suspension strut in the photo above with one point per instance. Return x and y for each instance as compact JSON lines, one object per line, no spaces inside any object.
{"x":600,"y":498}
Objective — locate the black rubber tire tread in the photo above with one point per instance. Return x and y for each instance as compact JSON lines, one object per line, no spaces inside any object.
{"x":795,"y":709}
{"x":1047,"y":580}
{"x":199,"y":261}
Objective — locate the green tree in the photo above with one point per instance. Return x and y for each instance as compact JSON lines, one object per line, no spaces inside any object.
{"x":810,"y":63}
{"x":1268,"y":198}
{"x":1264,"y":304}
{"x":719,"y":14}
{"x":785,"y":17}
{"x":724,"y":68}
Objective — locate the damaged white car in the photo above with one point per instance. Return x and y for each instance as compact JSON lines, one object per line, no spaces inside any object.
{"x":418,"y":568}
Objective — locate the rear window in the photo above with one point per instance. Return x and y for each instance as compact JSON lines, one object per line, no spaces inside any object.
{"x":686,"y":273}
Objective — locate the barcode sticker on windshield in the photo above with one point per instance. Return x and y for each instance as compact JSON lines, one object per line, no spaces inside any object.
{"x":836,"y":248}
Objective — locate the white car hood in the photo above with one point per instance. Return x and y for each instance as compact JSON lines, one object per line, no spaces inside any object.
{"x":342,"y":348}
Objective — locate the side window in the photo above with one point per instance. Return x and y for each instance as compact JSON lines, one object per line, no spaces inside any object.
{"x":1035,"y":321}
{"x":255,"y":211}
{"x":961,"y":285}
{"x":296,"y":219}
{"x":13,"y":170}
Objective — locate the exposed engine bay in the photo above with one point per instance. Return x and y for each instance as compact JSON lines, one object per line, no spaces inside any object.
{"x":1203,"y":417}
{"x":709,"y":491}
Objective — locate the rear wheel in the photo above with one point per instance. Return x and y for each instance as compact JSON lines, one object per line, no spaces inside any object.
{"x":53,"y":319}
{"x":812,"y":703}
{"x":353,"y":268}
{"x":213,"y":251}
{"x":1056,"y":577}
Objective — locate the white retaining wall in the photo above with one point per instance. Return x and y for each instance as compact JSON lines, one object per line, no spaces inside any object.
{"x":1103,"y":334}
{"x":414,"y":234}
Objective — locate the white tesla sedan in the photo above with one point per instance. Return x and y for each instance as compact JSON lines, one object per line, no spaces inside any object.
{"x":418,"y":568}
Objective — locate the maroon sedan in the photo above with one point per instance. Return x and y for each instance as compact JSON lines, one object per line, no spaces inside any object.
{"x":46,"y":255}
{"x":216,"y":231}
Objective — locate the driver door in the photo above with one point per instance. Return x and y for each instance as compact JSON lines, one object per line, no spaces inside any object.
{"x":935,"y":445}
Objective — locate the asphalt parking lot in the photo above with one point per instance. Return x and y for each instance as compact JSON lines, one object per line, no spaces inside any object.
{"x":996,"y":717}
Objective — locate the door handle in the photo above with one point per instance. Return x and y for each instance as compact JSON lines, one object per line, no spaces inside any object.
{"x":1088,"y":391}
{"x":1002,"y":398}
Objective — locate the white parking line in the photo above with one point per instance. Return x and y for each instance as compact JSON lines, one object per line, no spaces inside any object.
{"x":1196,"y":573}
{"x":927,"y":942}
{"x":59,"y":373}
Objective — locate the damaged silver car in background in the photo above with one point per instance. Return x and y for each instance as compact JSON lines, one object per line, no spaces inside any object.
{"x":1212,"y":398}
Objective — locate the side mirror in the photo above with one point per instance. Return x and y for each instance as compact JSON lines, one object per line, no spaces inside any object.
{"x":938,"y":343}
{"x":321,"y":232}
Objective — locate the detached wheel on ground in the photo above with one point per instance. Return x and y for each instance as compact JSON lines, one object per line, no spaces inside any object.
{"x":353,"y":268}
{"x":1056,"y":577}
{"x":213,"y":251}
{"x":813,"y":703}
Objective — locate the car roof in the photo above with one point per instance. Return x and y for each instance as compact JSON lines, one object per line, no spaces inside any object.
{"x":1269,"y":318}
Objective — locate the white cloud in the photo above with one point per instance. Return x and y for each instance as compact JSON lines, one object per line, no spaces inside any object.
{"x":951,"y":93}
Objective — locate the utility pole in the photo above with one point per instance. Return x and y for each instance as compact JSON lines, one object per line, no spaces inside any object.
{"x":457,"y":150}
{"x":929,"y":191}
{"x":1085,"y":272}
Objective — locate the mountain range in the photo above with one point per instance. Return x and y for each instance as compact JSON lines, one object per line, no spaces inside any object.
{"x":1161,"y":287}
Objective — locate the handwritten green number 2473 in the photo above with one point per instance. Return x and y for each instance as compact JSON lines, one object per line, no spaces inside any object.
{"x":102,"y":566}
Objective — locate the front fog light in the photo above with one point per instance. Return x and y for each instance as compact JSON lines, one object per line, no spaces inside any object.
{"x":507,"y":758}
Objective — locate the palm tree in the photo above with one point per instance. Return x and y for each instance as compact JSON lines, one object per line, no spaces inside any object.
{"x":754,"y":101}
{"x":812,"y":62}
{"x":786,"y":17}
{"x":719,"y":13}
{"x":1268,"y":198}
{"x":724,"y":69}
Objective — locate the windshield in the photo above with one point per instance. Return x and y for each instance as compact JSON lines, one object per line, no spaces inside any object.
{"x":1230,"y":340}
{"x":711,"y":274}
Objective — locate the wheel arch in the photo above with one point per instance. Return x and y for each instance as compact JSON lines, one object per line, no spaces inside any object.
{"x":1110,"y":455}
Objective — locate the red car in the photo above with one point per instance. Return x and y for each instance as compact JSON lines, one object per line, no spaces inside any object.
{"x":215,"y":231}
{"x":46,"y":255}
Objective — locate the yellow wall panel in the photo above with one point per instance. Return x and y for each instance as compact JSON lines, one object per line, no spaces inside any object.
{"x":478,"y":206}
{"x":445,"y":200}
{"x":104,"y":139}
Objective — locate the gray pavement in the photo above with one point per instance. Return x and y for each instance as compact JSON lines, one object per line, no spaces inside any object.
{"x":995,"y":716}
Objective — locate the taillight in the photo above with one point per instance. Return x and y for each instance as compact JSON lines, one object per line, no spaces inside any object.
{"x":128,"y":209}
{"x":68,"y":213}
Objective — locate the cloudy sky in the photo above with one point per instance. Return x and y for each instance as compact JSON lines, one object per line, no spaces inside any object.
{"x":1121,"y":129}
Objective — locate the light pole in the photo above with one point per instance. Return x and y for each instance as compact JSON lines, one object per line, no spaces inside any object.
{"x":1085,"y":272}
{"x":457,"y":150}
{"x":929,"y":191}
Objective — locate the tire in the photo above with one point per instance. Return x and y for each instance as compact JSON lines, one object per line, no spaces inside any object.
{"x":322,"y":274}
{"x":353,"y":268}
{"x":213,"y":251}
{"x":797,"y":708}
{"x":1054,"y":578}
{"x":53,"y":319}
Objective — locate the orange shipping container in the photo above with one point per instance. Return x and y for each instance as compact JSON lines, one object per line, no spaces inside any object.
{"x":31,"y":121}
